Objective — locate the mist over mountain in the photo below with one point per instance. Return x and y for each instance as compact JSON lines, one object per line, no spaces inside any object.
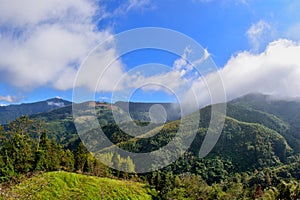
{"x":137,"y":110}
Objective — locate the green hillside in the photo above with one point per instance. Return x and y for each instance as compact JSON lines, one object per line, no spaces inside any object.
{"x":246,"y":145}
{"x":287,"y":110}
{"x":64,"y":185}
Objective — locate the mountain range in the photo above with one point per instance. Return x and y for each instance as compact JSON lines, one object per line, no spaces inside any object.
{"x":259,"y":130}
{"x":11,"y":112}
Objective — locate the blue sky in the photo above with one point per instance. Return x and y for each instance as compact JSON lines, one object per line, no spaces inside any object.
{"x":254,"y":44}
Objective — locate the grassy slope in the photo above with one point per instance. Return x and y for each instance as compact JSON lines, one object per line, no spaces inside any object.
{"x":64,"y":185}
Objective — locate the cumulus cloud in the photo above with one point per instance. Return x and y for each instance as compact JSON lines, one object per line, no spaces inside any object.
{"x":275,"y":71}
{"x":258,"y":33}
{"x":102,"y":67}
{"x":23,"y":13}
{"x":44,"y":42}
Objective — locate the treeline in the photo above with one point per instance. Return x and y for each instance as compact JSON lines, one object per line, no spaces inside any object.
{"x":26,"y":148}
{"x":255,"y":185}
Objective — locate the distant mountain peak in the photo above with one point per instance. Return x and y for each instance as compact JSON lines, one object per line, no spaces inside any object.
{"x":58,"y":102}
{"x":11,"y":112}
{"x":253,"y":96}
{"x":56,"y":99}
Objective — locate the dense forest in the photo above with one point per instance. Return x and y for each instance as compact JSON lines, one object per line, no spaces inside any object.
{"x":256,"y":157}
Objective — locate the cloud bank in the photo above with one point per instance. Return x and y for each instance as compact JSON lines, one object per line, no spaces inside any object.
{"x":275,"y":71}
{"x":43,"y":42}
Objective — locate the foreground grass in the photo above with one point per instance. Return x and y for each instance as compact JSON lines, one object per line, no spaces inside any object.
{"x":64,"y":185}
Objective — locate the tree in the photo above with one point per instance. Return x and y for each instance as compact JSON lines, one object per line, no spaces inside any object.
{"x":289,"y":190}
{"x":99,"y":169}
{"x":41,"y":161}
{"x":7,"y":171}
{"x":2,"y":135}
{"x":20,"y":152}
{"x":20,"y":125}
{"x":116,"y":161}
{"x":55,"y":155}
{"x":49,"y":154}
{"x":42,"y":156}
{"x":157,"y":180}
{"x":39,"y":129}
{"x":67,"y":161}
{"x":81,"y":154}
{"x":129,"y":165}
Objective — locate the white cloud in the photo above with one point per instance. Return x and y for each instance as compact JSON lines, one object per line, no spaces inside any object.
{"x":58,"y":104}
{"x":32,"y":12}
{"x":129,"y":5}
{"x":43,"y":42}
{"x":102,"y":69}
{"x":136,"y":4}
{"x":7,"y":98}
{"x":258,"y":33}
{"x":275,"y":71}
{"x":205,"y":56}
{"x":174,"y":80}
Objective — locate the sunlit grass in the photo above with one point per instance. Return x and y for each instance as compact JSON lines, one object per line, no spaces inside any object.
{"x":63,"y":185}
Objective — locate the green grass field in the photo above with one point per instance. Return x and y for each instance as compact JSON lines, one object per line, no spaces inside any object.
{"x":64,"y":185}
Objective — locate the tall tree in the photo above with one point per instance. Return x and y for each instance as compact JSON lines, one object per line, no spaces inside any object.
{"x":39,"y":128}
{"x":20,"y":152}
{"x":67,"y":161}
{"x":42,"y":157}
{"x":81,"y":156}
